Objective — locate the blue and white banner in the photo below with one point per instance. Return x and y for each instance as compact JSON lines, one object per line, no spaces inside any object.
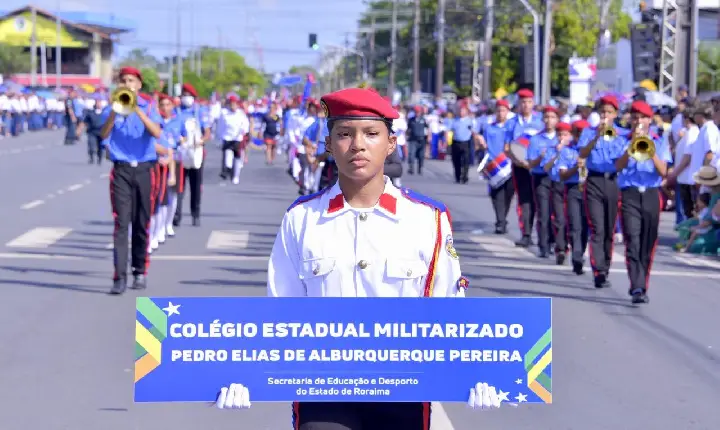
{"x":342,"y":349}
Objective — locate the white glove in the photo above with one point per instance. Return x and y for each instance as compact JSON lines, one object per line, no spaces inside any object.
{"x":483,"y":396}
{"x":236,"y":396}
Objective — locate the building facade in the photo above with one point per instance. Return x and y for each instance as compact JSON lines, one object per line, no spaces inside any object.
{"x":85,"y":46}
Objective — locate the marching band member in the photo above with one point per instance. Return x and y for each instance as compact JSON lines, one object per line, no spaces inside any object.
{"x":306,"y":148}
{"x":192,"y":112}
{"x":598,"y":146}
{"x":314,"y":137}
{"x":272,"y":123}
{"x":233,"y":127}
{"x":639,"y":183}
{"x":568,"y":166}
{"x":379,"y":224}
{"x":94,"y":120}
{"x":557,"y":198}
{"x":463,"y":136}
{"x":538,"y":154}
{"x":175,"y":133}
{"x":418,"y":134}
{"x":173,"y":130}
{"x":498,"y":169}
{"x":130,"y":142}
{"x":521,"y":128}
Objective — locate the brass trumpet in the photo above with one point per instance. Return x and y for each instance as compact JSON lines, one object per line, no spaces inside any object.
{"x":642,"y":148}
{"x":124,"y":101}
{"x":582,"y":174}
{"x":609,"y":131}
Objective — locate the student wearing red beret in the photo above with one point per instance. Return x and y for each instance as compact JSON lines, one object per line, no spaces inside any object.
{"x":640,"y":181}
{"x":597,"y":146}
{"x":526,"y":124}
{"x":132,"y":146}
{"x":373,"y":227}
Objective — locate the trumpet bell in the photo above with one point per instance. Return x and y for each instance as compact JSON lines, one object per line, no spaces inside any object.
{"x":642,"y":149}
{"x":124,"y":101}
{"x":610,"y":134}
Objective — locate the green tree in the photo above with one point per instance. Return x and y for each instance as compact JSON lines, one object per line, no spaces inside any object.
{"x":151,"y":80}
{"x":709,"y":67}
{"x":224,"y":71}
{"x":13,"y":60}
{"x":140,"y":58}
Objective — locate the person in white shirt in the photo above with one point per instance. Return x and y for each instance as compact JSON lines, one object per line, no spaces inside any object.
{"x":707,"y":145}
{"x":233,"y":127}
{"x":305,"y":149}
{"x":400,"y":126}
{"x":5,"y":123}
{"x":682,"y":174}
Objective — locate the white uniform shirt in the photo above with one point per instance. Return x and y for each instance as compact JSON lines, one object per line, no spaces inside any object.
{"x":23,"y":105}
{"x":15,"y":105}
{"x":302,"y":124}
{"x":233,"y":126}
{"x":33,"y":104}
{"x":402,"y":247}
{"x":683,"y":148}
{"x":4,"y":103}
{"x":708,"y":141}
{"x":400,"y":126}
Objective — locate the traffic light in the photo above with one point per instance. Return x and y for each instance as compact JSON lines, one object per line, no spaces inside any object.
{"x":646,"y":47}
{"x":463,"y":72}
{"x":312,"y":41}
{"x":525,"y":73}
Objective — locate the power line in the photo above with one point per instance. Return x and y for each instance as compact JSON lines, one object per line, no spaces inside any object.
{"x":226,"y":47}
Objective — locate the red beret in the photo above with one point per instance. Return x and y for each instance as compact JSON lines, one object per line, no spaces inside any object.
{"x":131,"y":71}
{"x":146,"y":97}
{"x":642,"y":108}
{"x":233,"y":99}
{"x":525,"y":94}
{"x":502,"y":103}
{"x":581,"y":124}
{"x":357,"y":103}
{"x":164,"y":97}
{"x":550,"y":109}
{"x":611,"y":101}
{"x":188,"y":88}
{"x":563,"y":126}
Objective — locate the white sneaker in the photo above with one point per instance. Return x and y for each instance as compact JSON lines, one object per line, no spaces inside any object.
{"x":170,"y":231}
{"x":161,"y":239}
{"x":618,"y":238}
{"x":154,"y":244}
{"x":236,"y":181}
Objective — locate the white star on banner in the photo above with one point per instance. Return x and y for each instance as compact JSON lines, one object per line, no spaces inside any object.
{"x":503,"y":395}
{"x":521,"y":397}
{"x":518,"y":381}
{"x":172,"y":309}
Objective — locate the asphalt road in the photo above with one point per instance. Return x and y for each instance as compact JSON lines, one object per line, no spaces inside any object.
{"x":67,"y":358}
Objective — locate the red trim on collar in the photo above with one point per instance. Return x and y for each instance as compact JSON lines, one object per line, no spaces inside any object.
{"x":336,"y":203}
{"x":388,"y":202}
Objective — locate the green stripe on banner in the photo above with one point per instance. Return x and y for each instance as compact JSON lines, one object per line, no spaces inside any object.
{"x":537,"y":349}
{"x":157,"y":334}
{"x":544,"y":380}
{"x":153,"y":314}
{"x":139,"y":351}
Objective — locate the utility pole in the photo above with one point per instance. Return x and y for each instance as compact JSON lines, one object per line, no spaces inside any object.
{"x":487,"y":58}
{"x":33,"y":48}
{"x":393,"y":51}
{"x":604,"y":25}
{"x":221,"y":66}
{"x":198,"y":62}
{"x":43,"y":64}
{"x":440,"y":55}
{"x":58,"y":49}
{"x":191,"y":54}
{"x":546,"y":52}
{"x":693,"y":48}
{"x":371,"y":60}
{"x":178,"y":57}
{"x":416,"y":52}
{"x":169,"y":89}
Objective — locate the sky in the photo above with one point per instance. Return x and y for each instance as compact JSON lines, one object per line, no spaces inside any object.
{"x":277,"y":28}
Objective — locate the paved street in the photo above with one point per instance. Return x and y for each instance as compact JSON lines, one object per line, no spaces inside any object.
{"x":68,"y":356}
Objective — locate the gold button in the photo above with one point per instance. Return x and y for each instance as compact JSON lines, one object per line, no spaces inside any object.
{"x":316,"y":271}
{"x":409,"y":272}
{"x":363,"y":217}
{"x":363,"y":264}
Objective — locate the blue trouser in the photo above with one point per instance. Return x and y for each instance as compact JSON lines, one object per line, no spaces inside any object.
{"x":71,"y":132}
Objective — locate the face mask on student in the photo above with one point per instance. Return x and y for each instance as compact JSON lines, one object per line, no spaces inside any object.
{"x":187,"y":101}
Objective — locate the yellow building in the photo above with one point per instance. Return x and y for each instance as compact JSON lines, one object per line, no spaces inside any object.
{"x":86,"y":49}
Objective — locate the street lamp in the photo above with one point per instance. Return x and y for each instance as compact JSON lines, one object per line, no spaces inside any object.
{"x":536,"y":48}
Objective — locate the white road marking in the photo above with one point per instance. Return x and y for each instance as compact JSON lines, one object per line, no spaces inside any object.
{"x":104,"y":175}
{"x":26,"y":256}
{"x":60,"y":192}
{"x":32,"y":204}
{"x":41,"y":237}
{"x":696,"y":261}
{"x":439,"y":419}
{"x":228,"y":239}
{"x":500,"y":246}
{"x":87,"y":181}
{"x":75,"y":187}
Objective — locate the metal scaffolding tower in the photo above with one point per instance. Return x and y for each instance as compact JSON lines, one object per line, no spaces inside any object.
{"x":669,"y":47}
